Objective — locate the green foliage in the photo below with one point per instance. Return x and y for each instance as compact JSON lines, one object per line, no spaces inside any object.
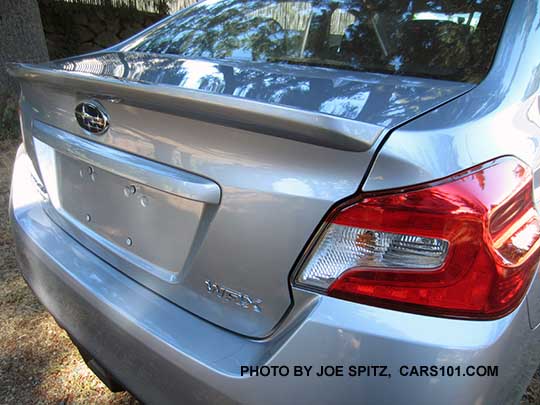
{"x":9,"y":122}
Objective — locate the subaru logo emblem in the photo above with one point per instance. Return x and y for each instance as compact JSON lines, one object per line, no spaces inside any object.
{"x":92,"y":117}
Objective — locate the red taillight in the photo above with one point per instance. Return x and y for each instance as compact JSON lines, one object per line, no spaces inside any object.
{"x":465,"y":247}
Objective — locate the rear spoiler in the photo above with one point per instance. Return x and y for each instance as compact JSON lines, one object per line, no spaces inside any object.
{"x":271,"y":119}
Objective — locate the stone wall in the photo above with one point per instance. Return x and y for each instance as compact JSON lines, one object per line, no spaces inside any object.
{"x":75,"y":28}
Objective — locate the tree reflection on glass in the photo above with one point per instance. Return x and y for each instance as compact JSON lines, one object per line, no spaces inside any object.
{"x":446,"y":39}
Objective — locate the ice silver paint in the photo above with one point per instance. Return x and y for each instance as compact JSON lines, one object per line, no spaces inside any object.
{"x":293,"y":180}
{"x":158,"y":335}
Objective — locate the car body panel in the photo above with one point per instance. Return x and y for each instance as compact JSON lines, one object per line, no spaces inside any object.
{"x":159,"y":338}
{"x":501,"y":116}
{"x":269,"y":185}
{"x":369,"y":98}
{"x":127,"y":327}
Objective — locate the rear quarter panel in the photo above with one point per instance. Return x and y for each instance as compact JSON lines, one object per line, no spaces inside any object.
{"x":499,"y":117}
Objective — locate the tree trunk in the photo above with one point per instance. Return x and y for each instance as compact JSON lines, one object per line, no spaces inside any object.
{"x":21,"y":37}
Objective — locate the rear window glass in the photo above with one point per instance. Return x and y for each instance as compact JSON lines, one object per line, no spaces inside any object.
{"x":445,"y":39}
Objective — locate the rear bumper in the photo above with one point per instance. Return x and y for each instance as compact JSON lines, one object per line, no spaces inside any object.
{"x":164,"y":354}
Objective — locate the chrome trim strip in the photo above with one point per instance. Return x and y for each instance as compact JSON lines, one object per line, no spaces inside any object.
{"x":135,"y":168}
{"x":271,"y":119}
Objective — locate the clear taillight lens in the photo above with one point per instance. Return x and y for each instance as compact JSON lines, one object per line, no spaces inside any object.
{"x":465,"y":247}
{"x":343,"y":247}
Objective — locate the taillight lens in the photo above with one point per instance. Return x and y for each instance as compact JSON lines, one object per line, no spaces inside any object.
{"x":465,"y":247}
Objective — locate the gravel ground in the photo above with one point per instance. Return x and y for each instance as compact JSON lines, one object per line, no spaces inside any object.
{"x":38,"y":363}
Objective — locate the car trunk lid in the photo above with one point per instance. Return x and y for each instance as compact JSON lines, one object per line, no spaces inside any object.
{"x":212,"y":176}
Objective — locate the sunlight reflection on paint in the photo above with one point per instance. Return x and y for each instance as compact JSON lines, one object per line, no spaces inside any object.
{"x":198,"y":73}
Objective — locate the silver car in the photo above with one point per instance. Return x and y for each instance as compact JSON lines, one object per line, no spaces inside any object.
{"x":296,"y":201}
